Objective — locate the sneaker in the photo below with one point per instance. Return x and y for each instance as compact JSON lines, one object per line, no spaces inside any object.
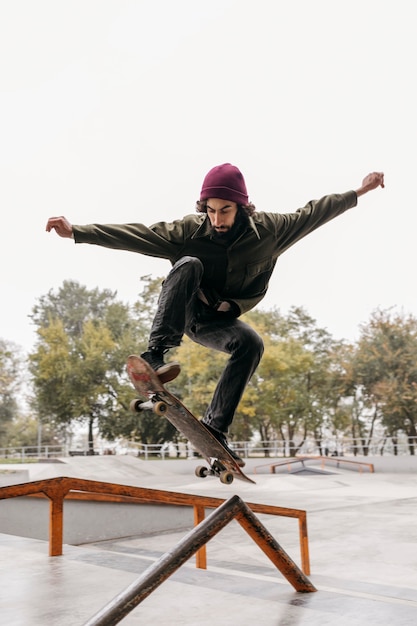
{"x":166,"y":371}
{"x":221,"y":438}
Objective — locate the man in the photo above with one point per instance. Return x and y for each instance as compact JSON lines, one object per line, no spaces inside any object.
{"x":222,"y":257}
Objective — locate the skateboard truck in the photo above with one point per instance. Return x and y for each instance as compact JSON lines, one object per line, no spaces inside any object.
{"x":157,"y":406}
{"x":216,"y":469}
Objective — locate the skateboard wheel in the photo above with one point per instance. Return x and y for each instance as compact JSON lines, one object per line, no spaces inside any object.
{"x":135,"y":405}
{"x":159,"y":408}
{"x":226,"y":478}
{"x":201,"y":471}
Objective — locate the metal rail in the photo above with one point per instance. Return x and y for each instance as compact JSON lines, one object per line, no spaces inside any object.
{"x":57,"y":489}
{"x":272,"y":466}
{"x":324,"y":459}
{"x":339,"y":461}
{"x":168,"y":563}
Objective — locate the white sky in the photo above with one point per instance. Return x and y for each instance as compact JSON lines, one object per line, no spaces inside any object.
{"x":114,"y":110}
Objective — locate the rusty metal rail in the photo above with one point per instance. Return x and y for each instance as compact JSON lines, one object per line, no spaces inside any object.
{"x":273,"y":466}
{"x":60,"y":488}
{"x":323,"y":459}
{"x":168,"y":563}
{"x":339,"y":460}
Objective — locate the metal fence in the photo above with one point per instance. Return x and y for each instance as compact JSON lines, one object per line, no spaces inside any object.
{"x":330,"y":447}
{"x":25,"y":453}
{"x":341,"y":447}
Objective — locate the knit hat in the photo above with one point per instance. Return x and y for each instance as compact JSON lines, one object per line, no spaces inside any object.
{"x":225,"y":182}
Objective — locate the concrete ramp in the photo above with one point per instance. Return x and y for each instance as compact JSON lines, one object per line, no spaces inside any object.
{"x":126,"y":469}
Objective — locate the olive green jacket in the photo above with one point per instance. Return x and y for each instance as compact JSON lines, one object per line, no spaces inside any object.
{"x":238,"y":272}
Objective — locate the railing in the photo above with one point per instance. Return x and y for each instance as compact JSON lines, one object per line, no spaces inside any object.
{"x":168,"y":563}
{"x":338,"y":461}
{"x":343,"y":447}
{"x":20,"y":454}
{"x":57,"y":489}
{"x":323,"y":460}
{"x":275,"y":464}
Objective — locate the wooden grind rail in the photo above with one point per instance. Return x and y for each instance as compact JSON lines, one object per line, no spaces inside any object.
{"x":57,"y":489}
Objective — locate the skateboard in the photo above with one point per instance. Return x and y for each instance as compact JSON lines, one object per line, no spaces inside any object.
{"x":159,"y":400}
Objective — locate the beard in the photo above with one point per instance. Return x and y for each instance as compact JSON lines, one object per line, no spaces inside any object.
{"x":230,"y":233}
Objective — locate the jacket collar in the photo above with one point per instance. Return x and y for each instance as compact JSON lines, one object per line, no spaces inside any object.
{"x":204,"y":230}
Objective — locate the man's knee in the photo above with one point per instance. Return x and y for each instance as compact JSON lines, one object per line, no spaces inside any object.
{"x":190,"y":264}
{"x":183,"y":280}
{"x":187,"y":270}
{"x":257,"y":344}
{"x":252,"y":343}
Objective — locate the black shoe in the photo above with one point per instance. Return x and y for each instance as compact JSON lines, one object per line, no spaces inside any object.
{"x":166,"y":371}
{"x":221,"y":438}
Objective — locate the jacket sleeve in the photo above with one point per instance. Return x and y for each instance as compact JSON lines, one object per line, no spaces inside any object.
{"x":160,"y":240}
{"x":291,"y":227}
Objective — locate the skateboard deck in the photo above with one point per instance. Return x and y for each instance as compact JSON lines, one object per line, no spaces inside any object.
{"x":162,"y":402}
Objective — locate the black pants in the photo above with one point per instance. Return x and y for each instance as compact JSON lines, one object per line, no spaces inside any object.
{"x":180,"y":311}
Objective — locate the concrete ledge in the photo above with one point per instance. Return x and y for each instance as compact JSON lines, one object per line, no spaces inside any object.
{"x":86,"y":522}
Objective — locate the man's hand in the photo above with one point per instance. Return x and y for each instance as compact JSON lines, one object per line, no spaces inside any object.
{"x":61,"y":226}
{"x":372,"y":181}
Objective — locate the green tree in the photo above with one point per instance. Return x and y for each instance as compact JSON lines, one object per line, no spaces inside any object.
{"x":79,"y":361}
{"x":349,"y":413}
{"x":291,"y":392}
{"x":288,"y":394}
{"x":145,"y":307}
{"x":277,"y":396}
{"x":24,"y":431}
{"x":78,"y":366}
{"x":145,"y":427}
{"x":10,"y":384}
{"x":200,"y":371}
{"x":385,"y":366}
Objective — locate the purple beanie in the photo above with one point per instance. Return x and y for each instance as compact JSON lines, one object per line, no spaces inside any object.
{"x":225,"y":182}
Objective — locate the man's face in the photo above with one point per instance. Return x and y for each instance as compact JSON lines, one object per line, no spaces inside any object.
{"x":222,"y":215}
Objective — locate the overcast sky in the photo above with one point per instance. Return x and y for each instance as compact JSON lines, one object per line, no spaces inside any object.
{"x":113,"y":111}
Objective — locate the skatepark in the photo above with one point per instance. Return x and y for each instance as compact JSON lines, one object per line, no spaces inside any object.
{"x":362,"y":538}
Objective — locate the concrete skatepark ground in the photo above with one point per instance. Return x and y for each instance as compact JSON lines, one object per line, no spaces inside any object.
{"x":362,"y":539}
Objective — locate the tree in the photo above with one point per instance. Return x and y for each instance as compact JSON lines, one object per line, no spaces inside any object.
{"x":79,"y":361}
{"x":10,"y":384}
{"x":288,"y":394}
{"x":146,"y":427}
{"x":342,"y":409}
{"x":385,"y":366}
{"x":145,"y":307}
{"x":292,"y":391}
{"x":23,"y":431}
{"x":277,"y":395}
{"x":78,"y":366}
